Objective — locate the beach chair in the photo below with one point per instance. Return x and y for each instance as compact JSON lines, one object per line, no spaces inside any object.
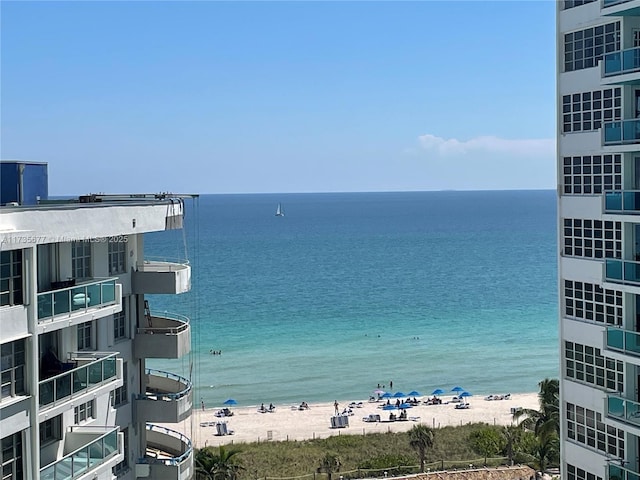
{"x":222,"y":429}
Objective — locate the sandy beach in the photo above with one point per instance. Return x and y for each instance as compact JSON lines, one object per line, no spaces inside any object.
{"x":288,"y":422}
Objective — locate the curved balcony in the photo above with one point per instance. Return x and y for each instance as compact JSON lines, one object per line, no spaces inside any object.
{"x":162,"y":275}
{"x":87,"y":451}
{"x":86,"y":373}
{"x":167,"y":398}
{"x":169,"y":455}
{"x":76,"y":300}
{"x":164,"y":335}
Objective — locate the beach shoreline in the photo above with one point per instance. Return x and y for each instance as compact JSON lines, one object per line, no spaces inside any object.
{"x":290,"y":422}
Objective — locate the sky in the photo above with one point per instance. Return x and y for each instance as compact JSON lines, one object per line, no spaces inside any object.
{"x":278,"y":97}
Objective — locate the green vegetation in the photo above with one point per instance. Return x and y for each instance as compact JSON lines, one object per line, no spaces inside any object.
{"x":534,"y":441}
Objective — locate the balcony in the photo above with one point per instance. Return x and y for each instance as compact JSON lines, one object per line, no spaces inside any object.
{"x":623,"y":61}
{"x":167,"y":398}
{"x":616,"y":472}
{"x":169,"y":455}
{"x":627,"y":201}
{"x":78,"y":299}
{"x":171,"y":276}
{"x":165,"y":335}
{"x":87,"y":451}
{"x":624,"y":410}
{"x":87,"y":372}
{"x":622,"y":271}
{"x":620,"y":8}
{"x":622,"y":132}
{"x":623,"y":340}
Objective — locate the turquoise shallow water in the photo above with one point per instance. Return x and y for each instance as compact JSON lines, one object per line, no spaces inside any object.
{"x":348,"y":291}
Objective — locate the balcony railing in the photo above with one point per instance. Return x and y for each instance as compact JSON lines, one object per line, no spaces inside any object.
{"x":622,"y":271}
{"x":627,"y":201}
{"x":91,"y":369}
{"x":161,"y":264}
{"x":161,"y":383}
{"x":162,"y":276}
{"x":623,"y":61}
{"x":611,"y":3}
{"x":622,"y":132}
{"x":96,"y":449}
{"x":169,"y":454}
{"x":623,"y":340}
{"x":617,"y":472}
{"x":76,"y":299}
{"x":625,"y":410}
{"x":163,"y":335}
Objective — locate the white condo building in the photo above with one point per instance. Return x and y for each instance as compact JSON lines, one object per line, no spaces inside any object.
{"x":77,"y":400}
{"x":598,"y":121}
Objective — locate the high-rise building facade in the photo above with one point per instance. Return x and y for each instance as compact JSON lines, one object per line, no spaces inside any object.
{"x":77,"y":399}
{"x":598,"y":121}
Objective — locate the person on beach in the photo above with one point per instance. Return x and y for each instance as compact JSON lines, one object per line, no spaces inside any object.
{"x":335,"y":405}
{"x":202,"y":404}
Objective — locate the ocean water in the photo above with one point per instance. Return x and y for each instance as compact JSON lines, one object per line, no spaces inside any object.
{"x":351,"y":290}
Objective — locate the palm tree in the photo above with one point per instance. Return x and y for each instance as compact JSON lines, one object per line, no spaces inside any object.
{"x":217,"y":465}
{"x":421,"y":440}
{"x":329,"y":464}
{"x":546,"y":421}
{"x":511,"y":435}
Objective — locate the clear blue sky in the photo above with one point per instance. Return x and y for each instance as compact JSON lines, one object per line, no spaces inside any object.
{"x":243,"y":97}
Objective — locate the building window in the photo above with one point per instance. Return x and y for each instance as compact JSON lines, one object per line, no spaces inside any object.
{"x":85,"y":336}
{"x":117,"y":255}
{"x":574,"y":473}
{"x":586,"y":111}
{"x":123,"y":466}
{"x":12,"y":364}
{"x":81,"y":259}
{"x":567,"y":4}
{"x":588,"y":301}
{"x":12,"y":468}
{"x":585,"y":426}
{"x":584,"y":48}
{"x":120,"y":394}
{"x":587,"y":365}
{"x":11,"y":278}
{"x":592,"y":174}
{"x":120,"y":325}
{"x":83,"y":412}
{"x":50,"y":430}
{"x":592,"y":238}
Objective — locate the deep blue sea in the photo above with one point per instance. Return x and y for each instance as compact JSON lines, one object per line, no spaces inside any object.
{"x":351,"y":290}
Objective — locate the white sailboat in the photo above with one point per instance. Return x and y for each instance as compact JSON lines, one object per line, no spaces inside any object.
{"x":279,"y":211}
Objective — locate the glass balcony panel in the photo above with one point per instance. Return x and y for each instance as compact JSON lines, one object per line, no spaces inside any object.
{"x":631,"y":271}
{"x":615,"y":406}
{"x":45,"y":306}
{"x":64,"y":469}
{"x":630,"y":59}
{"x":612,"y":63}
{"x":632,"y":343}
{"x":613,"y":269}
{"x":96,"y":453}
{"x":613,"y":201}
{"x":61,"y":302}
{"x":630,"y":131}
{"x":110,"y":443}
{"x":615,"y":338}
{"x":109,"y":368}
{"x":94,"y":297}
{"x":80,"y":379}
{"x":631,"y":201}
{"x":63,"y":387}
{"x":613,"y":132}
{"x":109,"y":291}
{"x":95,"y":373}
{"x":46,"y":393}
{"x":80,"y":461}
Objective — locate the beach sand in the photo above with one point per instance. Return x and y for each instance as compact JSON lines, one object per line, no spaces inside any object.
{"x":289,"y":423}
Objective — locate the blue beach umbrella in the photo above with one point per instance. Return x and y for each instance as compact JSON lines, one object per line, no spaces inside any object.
{"x":466,"y":394}
{"x":389,"y":407}
{"x":386,"y":395}
{"x":457,"y":389}
{"x":404,"y":406}
{"x":398,"y":395}
{"x":230,"y":401}
{"x":437,"y":391}
{"x":413,"y":393}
